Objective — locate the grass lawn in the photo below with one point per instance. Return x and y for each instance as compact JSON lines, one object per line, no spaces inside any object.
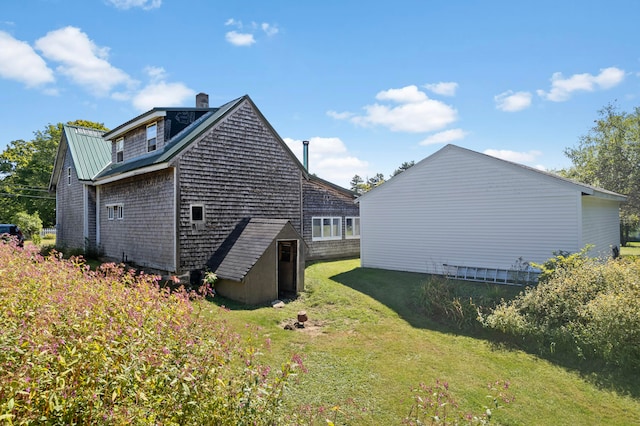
{"x":631,"y":249}
{"x":366,"y":341}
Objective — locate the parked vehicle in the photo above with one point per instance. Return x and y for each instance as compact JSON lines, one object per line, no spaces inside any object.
{"x":9,"y":231}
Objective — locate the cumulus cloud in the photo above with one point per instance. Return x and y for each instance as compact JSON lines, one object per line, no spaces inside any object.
{"x":128,"y":4}
{"x":445,"y":137}
{"x":340,"y":115}
{"x":562,"y":88}
{"x":160,"y":93}
{"x":245,"y":35}
{"x":415,"y":112}
{"x":515,"y":156}
{"x":82,"y":60}
{"x":19,"y":62}
{"x":329,"y":159}
{"x":510,"y":101}
{"x":443,"y":88}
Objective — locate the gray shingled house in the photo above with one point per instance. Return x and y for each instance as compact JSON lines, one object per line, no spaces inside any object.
{"x":184,"y":190}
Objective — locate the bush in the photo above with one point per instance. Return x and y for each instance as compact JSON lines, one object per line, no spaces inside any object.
{"x":30,"y":224}
{"x":110,"y":347}
{"x":590,"y":308}
{"x":458,"y":303}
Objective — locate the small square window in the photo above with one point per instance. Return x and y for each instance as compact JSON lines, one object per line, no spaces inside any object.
{"x":197,"y":213}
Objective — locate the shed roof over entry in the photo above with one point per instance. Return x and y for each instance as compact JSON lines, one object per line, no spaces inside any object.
{"x":245,"y":246}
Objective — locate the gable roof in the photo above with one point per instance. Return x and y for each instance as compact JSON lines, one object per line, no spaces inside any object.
{"x":584,"y":188}
{"x":246,"y":245}
{"x":89,"y":152}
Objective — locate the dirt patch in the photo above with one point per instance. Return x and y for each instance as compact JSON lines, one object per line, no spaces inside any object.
{"x":311,"y":327}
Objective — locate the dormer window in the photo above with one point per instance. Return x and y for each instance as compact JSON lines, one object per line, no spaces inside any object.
{"x":120,"y":150}
{"x":152,"y":132}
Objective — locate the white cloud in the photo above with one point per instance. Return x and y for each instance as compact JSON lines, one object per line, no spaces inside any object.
{"x":82,"y":60}
{"x":159,"y":93}
{"x":510,"y":102}
{"x":128,"y":4}
{"x":515,"y":156}
{"x":445,"y":137}
{"x":330,"y":160}
{"x":443,"y":88}
{"x":18,"y":61}
{"x":562,"y":88}
{"x":340,"y":115}
{"x":269,"y":29}
{"x":415,"y":114}
{"x":240,"y":39}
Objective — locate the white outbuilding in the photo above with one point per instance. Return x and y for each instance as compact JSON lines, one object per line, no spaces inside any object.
{"x":460,"y":212}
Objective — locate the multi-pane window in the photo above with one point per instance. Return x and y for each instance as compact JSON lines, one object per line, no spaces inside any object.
{"x":326,"y":228}
{"x":120,"y":150}
{"x":152,"y":132}
{"x":352,"y":227}
{"x":115,"y":211}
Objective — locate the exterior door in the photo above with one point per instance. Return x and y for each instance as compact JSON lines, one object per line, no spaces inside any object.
{"x":287,"y":267}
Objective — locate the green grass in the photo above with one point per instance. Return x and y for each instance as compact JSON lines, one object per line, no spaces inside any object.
{"x":366,"y":341}
{"x":631,"y":249}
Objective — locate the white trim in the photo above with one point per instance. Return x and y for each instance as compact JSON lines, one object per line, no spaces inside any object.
{"x":354,"y":236}
{"x":132,"y":173}
{"x":175,"y":222}
{"x":85,"y":208}
{"x":137,"y":123}
{"x":322,"y":219}
{"x":97,"y":216}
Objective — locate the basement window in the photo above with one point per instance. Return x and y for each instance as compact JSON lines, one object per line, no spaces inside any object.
{"x":326,"y":228}
{"x":152,"y":133}
{"x":352,"y":227}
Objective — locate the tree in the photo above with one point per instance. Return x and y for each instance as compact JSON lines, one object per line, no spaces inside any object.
{"x":357,"y":184}
{"x":25,"y":171}
{"x":608,"y":156}
{"x":404,"y":166}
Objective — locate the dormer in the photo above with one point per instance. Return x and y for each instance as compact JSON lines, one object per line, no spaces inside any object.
{"x":150,"y":132}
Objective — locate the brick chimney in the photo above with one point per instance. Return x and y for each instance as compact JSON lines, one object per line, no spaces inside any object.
{"x":202,"y":100}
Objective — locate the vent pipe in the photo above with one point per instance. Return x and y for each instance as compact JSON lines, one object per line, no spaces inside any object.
{"x":305,"y":155}
{"x":202,"y":100}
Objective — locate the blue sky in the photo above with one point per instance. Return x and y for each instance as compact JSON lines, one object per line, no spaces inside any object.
{"x":370,"y":84}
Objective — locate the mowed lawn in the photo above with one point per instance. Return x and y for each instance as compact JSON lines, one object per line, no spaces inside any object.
{"x":366,"y":345}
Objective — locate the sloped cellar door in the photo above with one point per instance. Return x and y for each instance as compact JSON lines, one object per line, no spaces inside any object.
{"x":287,"y":267}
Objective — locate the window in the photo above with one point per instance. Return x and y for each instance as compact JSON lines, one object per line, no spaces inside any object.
{"x":352,"y":227}
{"x":120,"y":150}
{"x":115,"y":211}
{"x":326,"y":228}
{"x":197,"y":213}
{"x":152,"y":132}
{"x":68,"y":175}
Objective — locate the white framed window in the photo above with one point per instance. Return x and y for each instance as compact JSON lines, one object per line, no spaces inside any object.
{"x":115,"y":211}
{"x":120,"y":150}
{"x":152,"y":133}
{"x":197,"y":216}
{"x":326,"y":228}
{"x":352,"y":227}
{"x":68,"y":175}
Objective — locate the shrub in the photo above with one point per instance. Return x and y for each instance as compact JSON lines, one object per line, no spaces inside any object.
{"x":30,"y":224}
{"x":458,"y":303}
{"x":110,"y":347}
{"x":589,"y":308}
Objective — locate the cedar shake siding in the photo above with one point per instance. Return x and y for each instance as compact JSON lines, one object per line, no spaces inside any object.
{"x":70,"y":220}
{"x":238,"y":170}
{"x":322,"y":199}
{"x":146,"y":233}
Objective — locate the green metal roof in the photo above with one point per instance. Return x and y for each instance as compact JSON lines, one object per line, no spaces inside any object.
{"x":89,"y":151}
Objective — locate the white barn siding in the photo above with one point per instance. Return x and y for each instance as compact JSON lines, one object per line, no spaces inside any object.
{"x":600,"y":225}
{"x":462,"y":208}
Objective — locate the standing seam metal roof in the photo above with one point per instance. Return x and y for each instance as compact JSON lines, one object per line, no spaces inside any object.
{"x":89,"y":151}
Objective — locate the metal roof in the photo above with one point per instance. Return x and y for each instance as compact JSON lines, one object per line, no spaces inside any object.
{"x":90,"y":153}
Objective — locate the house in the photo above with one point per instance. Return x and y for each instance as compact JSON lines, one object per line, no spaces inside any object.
{"x":470,"y":215}
{"x":185,"y":190}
